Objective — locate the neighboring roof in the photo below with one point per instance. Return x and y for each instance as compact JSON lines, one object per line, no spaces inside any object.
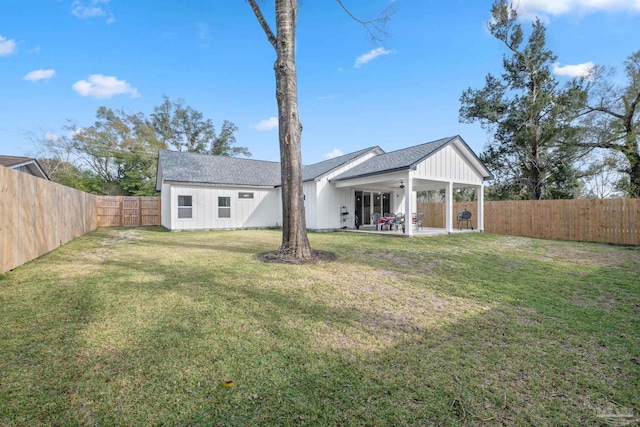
{"x":10,"y":161}
{"x":203,"y":168}
{"x":406,"y":158}
{"x":14,"y":162}
{"x":316,"y":170}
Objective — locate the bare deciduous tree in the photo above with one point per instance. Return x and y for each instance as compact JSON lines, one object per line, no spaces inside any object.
{"x":612,"y":118}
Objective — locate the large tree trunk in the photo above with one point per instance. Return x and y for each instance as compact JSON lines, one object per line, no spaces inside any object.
{"x":294,"y":231}
{"x":634,"y":177}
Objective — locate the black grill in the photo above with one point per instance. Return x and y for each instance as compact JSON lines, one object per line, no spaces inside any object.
{"x":464,"y":216}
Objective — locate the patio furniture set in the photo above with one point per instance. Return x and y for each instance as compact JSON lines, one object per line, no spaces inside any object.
{"x":390,"y":221}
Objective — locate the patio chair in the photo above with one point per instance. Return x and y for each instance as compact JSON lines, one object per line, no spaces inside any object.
{"x":399,"y":221}
{"x":418,"y":220}
{"x":375,"y":219}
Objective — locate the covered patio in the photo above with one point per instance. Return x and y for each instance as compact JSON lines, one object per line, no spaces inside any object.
{"x":391,"y":181}
{"x":420,"y":232}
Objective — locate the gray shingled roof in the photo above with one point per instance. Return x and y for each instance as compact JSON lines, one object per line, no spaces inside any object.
{"x":403,"y":159}
{"x":13,"y":160}
{"x":316,"y":170}
{"x":203,"y":168}
{"x":191,"y":167}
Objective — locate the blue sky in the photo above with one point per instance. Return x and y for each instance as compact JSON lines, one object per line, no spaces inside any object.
{"x":62,"y":59}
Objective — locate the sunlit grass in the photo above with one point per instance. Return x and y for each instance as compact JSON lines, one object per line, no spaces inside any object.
{"x":130,"y":327}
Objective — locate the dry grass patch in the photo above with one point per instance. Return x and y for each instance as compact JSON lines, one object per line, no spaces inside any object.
{"x":464,"y":329}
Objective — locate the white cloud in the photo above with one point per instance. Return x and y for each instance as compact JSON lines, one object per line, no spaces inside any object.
{"x":91,"y":9}
{"x":578,"y":70}
{"x":34,"y":76}
{"x":7,"y":46}
{"x":545,"y":8}
{"x":34,"y":50}
{"x":267,"y":124}
{"x":326,"y":97}
{"x":335,"y":153}
{"x":369,"y":56}
{"x":99,"y":86}
{"x":51,"y":137}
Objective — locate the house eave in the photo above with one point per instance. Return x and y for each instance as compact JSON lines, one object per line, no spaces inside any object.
{"x":29,"y":163}
{"x":218,"y":184}
{"x":383,"y":172}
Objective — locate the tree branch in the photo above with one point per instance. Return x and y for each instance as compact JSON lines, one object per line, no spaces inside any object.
{"x":263,"y":23}
{"x":631,"y":111}
{"x":378,"y":32}
{"x":591,"y":109}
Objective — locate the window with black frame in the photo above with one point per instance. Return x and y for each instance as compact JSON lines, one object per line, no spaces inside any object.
{"x":185,"y":207}
{"x":224,"y":207}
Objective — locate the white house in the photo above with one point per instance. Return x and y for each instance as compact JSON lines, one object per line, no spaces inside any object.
{"x":213,"y":192}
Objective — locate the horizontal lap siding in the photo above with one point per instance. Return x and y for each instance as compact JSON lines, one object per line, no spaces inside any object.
{"x":610,"y":220}
{"x":37,"y":216}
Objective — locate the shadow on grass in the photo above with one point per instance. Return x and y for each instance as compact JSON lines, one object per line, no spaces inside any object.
{"x":118,"y":351}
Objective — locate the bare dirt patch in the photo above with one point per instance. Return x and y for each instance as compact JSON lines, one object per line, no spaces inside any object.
{"x":278,"y":257}
{"x":125,"y":236}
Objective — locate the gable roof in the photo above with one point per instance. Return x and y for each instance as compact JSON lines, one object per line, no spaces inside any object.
{"x":14,"y":162}
{"x":204,"y":168}
{"x":316,"y":170}
{"x":208,"y":169}
{"x":406,"y":158}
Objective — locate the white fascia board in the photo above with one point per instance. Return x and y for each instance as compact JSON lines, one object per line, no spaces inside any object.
{"x":464,"y":149}
{"x":376,"y":150}
{"x":207,"y":184}
{"x":31,"y":164}
{"x":371,"y":179}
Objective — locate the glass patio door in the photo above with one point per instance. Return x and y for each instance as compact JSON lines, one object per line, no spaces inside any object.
{"x":368,"y":202}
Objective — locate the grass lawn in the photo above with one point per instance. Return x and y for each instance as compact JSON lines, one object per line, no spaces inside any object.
{"x":143,"y":327}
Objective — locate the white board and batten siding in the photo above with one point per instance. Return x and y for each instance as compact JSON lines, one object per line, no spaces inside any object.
{"x":165,"y":207}
{"x":310,"y":202}
{"x":449,"y":164}
{"x":330,"y":200}
{"x":261,"y":211}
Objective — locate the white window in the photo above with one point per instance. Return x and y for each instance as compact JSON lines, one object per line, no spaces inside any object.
{"x":242,"y":195}
{"x":185,"y":207}
{"x":224,"y":207}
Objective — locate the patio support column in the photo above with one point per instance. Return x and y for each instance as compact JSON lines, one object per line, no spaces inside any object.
{"x":408,"y":195}
{"x":448,"y":207}
{"x":480,"y":208}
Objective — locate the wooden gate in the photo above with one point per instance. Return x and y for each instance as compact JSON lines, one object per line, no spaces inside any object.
{"x":121,"y":211}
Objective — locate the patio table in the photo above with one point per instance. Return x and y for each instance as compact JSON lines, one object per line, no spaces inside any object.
{"x":386,"y":220}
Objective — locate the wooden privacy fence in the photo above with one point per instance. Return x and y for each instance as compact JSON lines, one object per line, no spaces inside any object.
{"x":121,"y":211}
{"x":590,"y":220}
{"x":37,"y":216}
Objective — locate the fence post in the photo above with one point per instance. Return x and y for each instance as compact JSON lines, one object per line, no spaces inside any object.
{"x":121,"y":201}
